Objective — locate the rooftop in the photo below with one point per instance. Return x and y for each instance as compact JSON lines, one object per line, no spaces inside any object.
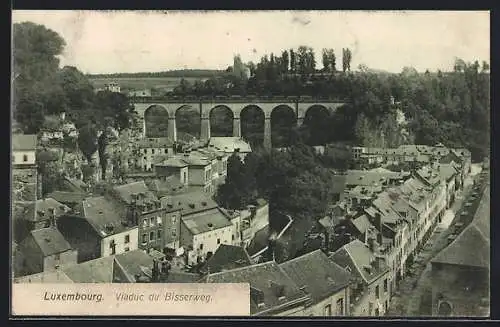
{"x":23,"y":142}
{"x":104,"y":215}
{"x":53,"y":277}
{"x":317,"y":273}
{"x":360,"y":260}
{"x":134,"y":263}
{"x":50,"y":241}
{"x":227,"y":257}
{"x":40,"y":209}
{"x":127,"y":192}
{"x":472,"y":246}
{"x":229,"y":144}
{"x":362,"y":223}
{"x":67,"y":197}
{"x":270,"y":286}
{"x":206,"y":221}
{"x":190,"y":202}
{"x":94,"y":271}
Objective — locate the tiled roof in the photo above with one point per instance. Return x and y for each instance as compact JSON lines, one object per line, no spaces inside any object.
{"x":22,"y":142}
{"x":472,"y":246}
{"x":67,"y":197}
{"x":446,"y":171}
{"x":362,"y":224}
{"x":182,"y":277}
{"x":229,"y":144}
{"x":53,"y":277}
{"x":189,"y":202}
{"x":173,"y":162}
{"x":358,"y":257}
{"x":227,"y":257}
{"x":94,"y":271}
{"x":171,"y":185}
{"x":40,"y":209}
{"x":126,"y":191}
{"x":206,"y":221}
{"x":102,"y":215}
{"x":318,"y":273}
{"x":50,"y":241}
{"x":270,"y":286}
{"x":134,"y":263}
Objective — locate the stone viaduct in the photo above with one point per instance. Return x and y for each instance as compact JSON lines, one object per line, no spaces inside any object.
{"x":298,"y":106}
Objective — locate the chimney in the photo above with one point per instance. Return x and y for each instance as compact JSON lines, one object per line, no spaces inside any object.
{"x":155,"y":272}
{"x":52,"y":217}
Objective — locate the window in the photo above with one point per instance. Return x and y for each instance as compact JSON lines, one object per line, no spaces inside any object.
{"x":377,"y":292}
{"x":127,"y":239}
{"x":152,"y":151}
{"x":370,"y":308}
{"x":158,"y":234}
{"x":145,"y":223}
{"x":201,"y":246}
{"x":233,"y":237}
{"x":152,"y":236}
{"x":340,"y":307}
{"x":25,"y":158}
{"x":385,"y":285}
{"x":144,"y":238}
{"x":158,"y":220}
{"x":151,"y":222}
{"x":144,"y":157}
{"x":218,"y":241}
{"x":174,"y":218}
{"x":184,"y":177}
{"x":166,"y":151}
{"x":145,"y":152}
{"x":112,"y":245}
{"x":328,"y":310}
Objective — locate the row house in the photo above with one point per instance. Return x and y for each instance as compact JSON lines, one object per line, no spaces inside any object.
{"x":230,"y":145}
{"x":24,"y":151}
{"x":158,"y":225}
{"x":272,"y":291}
{"x":35,"y":215}
{"x":148,"y":149}
{"x":460,"y":273}
{"x":199,"y":170}
{"x":203,"y":225}
{"x":99,"y":227}
{"x":369,"y":281}
{"x":44,"y":249}
{"x":326,"y":283}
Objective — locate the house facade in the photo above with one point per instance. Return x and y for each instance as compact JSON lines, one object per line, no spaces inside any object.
{"x":44,"y":249}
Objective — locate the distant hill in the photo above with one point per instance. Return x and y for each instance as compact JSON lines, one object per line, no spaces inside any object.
{"x":189,"y":73}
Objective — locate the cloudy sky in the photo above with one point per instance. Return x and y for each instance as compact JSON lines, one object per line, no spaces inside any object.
{"x":109,"y":42}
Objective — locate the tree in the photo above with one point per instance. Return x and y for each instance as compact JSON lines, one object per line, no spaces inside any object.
{"x":87,"y":141}
{"x":238,"y":190}
{"x":293,"y":61}
{"x":35,"y":64}
{"x":285,"y":62}
{"x":346,"y":59}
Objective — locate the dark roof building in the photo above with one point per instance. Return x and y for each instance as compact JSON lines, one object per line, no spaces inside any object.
{"x":23,"y":142}
{"x":318,"y":275}
{"x":226,"y":257}
{"x":50,"y":241}
{"x":70,"y":199}
{"x":272,"y":291}
{"x":461,"y":272}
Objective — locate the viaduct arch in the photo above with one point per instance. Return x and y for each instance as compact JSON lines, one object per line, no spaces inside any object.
{"x":205,"y":106}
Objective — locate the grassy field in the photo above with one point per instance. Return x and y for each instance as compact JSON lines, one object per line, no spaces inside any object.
{"x":138,"y":83}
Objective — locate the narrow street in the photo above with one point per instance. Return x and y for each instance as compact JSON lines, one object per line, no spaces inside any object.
{"x":414,"y":296}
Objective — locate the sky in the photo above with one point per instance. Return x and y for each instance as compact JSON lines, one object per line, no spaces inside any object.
{"x":148,"y":41}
